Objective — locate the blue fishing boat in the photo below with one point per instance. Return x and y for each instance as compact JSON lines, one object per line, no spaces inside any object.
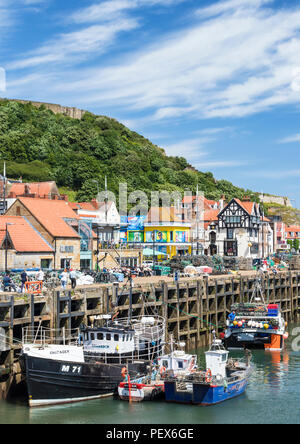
{"x":224,"y":378}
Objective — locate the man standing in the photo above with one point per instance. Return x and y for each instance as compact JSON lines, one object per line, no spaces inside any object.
{"x":40,"y":276}
{"x":73,"y":279}
{"x":24,"y":279}
{"x":64,"y":279}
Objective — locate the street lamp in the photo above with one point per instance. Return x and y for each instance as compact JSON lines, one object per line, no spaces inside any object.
{"x":6,"y":235}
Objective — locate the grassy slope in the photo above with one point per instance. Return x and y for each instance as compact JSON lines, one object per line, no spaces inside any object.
{"x":40,"y":145}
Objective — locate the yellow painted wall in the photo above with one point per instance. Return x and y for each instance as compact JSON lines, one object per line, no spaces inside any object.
{"x":171,"y":250}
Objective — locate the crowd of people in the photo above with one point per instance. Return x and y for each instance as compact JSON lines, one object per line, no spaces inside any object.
{"x":141,"y":271}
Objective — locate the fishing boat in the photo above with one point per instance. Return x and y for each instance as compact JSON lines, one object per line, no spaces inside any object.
{"x":88,"y":364}
{"x":143,"y":389}
{"x":151,"y":387}
{"x":255,"y":325}
{"x":223,"y":379}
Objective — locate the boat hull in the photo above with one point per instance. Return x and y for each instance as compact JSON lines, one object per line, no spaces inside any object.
{"x":261,"y":341}
{"x":204,"y":394}
{"x":52,"y":382}
{"x":140,"y":392}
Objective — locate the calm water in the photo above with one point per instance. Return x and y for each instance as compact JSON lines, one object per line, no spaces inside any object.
{"x":273,"y":396}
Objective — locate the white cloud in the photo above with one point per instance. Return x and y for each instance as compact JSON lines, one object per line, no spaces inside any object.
{"x":290,"y":139}
{"x":110,"y":9}
{"x":242,"y":60}
{"x":76,"y":44}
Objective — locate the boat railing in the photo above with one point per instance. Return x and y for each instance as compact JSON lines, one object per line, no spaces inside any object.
{"x":45,"y":336}
{"x":200,"y":377}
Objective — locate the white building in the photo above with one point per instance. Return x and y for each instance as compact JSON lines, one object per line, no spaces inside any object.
{"x":239,"y":229}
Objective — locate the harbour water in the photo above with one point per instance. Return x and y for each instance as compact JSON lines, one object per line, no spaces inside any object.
{"x":273,"y":396}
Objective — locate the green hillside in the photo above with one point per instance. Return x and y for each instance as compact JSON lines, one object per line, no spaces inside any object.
{"x":39,"y":145}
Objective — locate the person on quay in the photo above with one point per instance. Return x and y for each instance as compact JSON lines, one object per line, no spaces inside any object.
{"x":40,"y":276}
{"x":24,"y":279}
{"x":8,"y":283}
{"x":73,"y":279}
{"x":64,"y":279}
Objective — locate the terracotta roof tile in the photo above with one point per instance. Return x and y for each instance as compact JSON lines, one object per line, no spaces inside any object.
{"x":211,"y":215}
{"x":51,"y":214}
{"x":40,"y":189}
{"x":24,"y":237}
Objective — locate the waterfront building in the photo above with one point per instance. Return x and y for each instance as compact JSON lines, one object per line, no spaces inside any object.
{"x":243,"y":230}
{"x":57,"y":223}
{"x":22,"y":246}
{"x":167,"y":233}
{"x":292,"y":236}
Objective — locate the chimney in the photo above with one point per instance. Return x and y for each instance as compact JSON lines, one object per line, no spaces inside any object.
{"x":94,"y":203}
{"x":246,"y":199}
{"x":222,"y":201}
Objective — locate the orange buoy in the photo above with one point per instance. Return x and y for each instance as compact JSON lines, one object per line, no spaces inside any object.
{"x":208,"y":376}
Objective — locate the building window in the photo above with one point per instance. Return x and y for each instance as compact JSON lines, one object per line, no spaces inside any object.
{"x":230,"y":233}
{"x":46,"y":263}
{"x":65,"y":263}
{"x":85,"y":264}
{"x":233,"y":219}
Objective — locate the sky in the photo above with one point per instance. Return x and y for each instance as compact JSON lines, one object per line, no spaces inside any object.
{"x":217,"y":82}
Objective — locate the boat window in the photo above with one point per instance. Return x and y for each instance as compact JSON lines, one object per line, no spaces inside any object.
{"x":100,"y":336}
{"x":180,"y":364}
{"x":108,"y":336}
{"x":116,"y":337}
{"x":92,"y":336}
{"x":165,"y":364}
{"x":124,"y":338}
{"x":224,"y":358}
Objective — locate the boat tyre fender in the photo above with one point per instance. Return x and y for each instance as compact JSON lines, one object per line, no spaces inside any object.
{"x":208,"y":376}
{"x":163,"y":371}
{"x":154,"y":394}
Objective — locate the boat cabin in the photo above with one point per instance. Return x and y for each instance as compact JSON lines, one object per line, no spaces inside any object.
{"x":107,"y":340}
{"x":216,"y":359}
{"x":178,"y":361}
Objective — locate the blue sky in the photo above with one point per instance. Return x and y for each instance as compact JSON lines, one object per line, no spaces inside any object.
{"x":217,"y":82}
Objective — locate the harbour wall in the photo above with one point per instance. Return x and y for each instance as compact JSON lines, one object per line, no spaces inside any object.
{"x":192,"y":308}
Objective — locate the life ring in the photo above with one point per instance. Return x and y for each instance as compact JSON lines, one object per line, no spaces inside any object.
{"x":124,"y":372}
{"x":208,"y":376}
{"x":163,"y":371}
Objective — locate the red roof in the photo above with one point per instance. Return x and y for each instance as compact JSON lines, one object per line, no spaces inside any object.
{"x":248,"y":206}
{"x":211,"y":215}
{"x":51,"y":214}
{"x":40,"y":189}
{"x":24,"y":237}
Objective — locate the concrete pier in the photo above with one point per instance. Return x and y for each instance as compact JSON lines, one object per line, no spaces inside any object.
{"x":192,"y":308}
